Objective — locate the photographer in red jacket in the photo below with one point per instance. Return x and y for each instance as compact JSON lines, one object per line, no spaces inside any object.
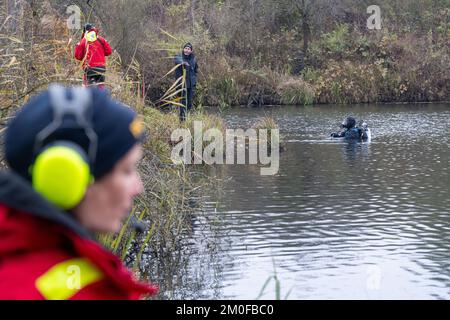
{"x":92,"y":50}
{"x":72,"y":154}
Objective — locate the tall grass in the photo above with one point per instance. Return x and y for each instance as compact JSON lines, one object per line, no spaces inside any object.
{"x":295,"y":91}
{"x":165,"y":205}
{"x":277,"y":285}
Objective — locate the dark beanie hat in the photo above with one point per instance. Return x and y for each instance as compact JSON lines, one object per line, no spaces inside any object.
{"x":115,"y":125}
{"x":188,"y":45}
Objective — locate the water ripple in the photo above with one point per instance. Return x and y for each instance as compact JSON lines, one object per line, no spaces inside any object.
{"x":340,"y":220}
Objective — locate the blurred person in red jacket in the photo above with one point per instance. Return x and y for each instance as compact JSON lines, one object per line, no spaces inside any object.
{"x":72,"y":154}
{"x":92,"y":50}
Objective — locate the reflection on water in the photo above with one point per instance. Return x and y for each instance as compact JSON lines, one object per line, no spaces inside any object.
{"x":339,"y":220}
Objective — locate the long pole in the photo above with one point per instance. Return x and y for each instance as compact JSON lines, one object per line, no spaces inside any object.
{"x":184,"y":91}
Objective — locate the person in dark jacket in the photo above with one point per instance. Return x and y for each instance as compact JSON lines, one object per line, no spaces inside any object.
{"x":188,"y":62}
{"x":350,"y":131}
{"x":72,"y":155}
{"x":346,"y":126}
{"x":92,"y":50}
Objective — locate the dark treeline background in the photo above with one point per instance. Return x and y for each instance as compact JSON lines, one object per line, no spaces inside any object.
{"x":282,"y":52}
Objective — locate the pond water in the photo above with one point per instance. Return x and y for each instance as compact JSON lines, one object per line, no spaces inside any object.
{"x":340,"y":220}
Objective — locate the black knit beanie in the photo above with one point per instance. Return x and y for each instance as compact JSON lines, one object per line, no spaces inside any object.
{"x":116,"y":126}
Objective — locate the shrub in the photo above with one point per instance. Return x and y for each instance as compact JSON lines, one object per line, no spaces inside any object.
{"x":295,"y":91}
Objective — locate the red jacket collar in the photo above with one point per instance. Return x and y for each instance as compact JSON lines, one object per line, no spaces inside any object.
{"x":21,"y":233}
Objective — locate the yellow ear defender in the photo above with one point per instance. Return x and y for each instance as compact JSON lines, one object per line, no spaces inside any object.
{"x":61,"y":171}
{"x":61,"y":174}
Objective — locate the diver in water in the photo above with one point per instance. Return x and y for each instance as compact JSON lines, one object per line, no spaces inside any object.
{"x":351,"y":131}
